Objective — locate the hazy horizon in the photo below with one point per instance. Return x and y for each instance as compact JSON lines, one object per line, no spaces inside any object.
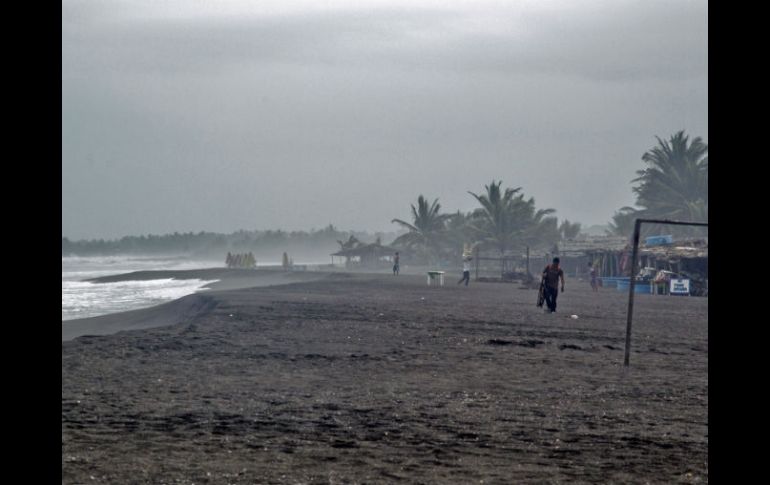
{"x":200,"y":116}
{"x":591,"y":229}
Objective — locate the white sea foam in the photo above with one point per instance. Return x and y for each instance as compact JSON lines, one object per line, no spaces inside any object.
{"x":81,"y":299}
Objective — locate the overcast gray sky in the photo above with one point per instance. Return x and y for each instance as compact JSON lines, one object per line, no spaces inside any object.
{"x":189,"y":115}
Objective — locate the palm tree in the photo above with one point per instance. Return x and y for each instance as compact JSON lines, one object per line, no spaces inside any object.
{"x":622,"y":223}
{"x":459,"y":233}
{"x":427,"y":229}
{"x":351,"y":243}
{"x":542,"y":230}
{"x":506,"y":220}
{"x":675,"y":183}
{"x":569,"y":230}
{"x":494,"y":220}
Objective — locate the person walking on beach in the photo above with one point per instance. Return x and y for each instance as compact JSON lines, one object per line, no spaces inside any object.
{"x":466,"y":270}
{"x":551,"y":275}
{"x":592,"y":274}
{"x":396,"y":267}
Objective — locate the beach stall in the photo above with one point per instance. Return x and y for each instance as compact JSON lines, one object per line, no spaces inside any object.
{"x":685,"y":259}
{"x":369,"y":256}
{"x":608,"y":254}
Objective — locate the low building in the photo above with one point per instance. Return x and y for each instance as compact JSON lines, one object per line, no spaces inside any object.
{"x":369,"y":256}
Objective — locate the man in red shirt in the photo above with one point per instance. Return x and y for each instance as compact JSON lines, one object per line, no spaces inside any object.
{"x":551,"y":275}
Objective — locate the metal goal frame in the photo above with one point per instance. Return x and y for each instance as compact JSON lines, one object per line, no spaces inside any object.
{"x":634,"y":257}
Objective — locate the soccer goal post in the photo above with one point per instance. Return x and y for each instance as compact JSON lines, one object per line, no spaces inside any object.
{"x":634,"y":260}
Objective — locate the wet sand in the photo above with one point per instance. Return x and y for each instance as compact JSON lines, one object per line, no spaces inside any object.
{"x":183,"y":309}
{"x":228,"y":278}
{"x":381,"y":379}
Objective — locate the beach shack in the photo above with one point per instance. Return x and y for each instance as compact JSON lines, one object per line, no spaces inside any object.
{"x":684,"y":259}
{"x":660,"y":259}
{"x":368,"y":256}
{"x":610,"y":255}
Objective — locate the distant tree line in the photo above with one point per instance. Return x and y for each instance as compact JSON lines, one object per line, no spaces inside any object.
{"x":211,"y":244}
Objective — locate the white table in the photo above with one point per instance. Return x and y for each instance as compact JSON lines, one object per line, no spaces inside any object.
{"x":432,"y":276}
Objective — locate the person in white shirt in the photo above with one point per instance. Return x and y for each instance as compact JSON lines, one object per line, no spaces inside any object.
{"x":466,"y":270}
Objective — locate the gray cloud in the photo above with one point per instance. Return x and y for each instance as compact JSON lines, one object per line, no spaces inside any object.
{"x":299,"y":120}
{"x":639,"y":41}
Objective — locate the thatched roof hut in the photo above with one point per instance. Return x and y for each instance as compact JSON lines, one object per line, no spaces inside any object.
{"x":370,"y":255}
{"x":612,"y":255}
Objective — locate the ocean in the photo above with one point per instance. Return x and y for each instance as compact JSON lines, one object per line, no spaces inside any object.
{"x":80,"y":299}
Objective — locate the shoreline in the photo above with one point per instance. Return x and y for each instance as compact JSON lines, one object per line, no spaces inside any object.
{"x":186,"y":307}
{"x":228,"y":277}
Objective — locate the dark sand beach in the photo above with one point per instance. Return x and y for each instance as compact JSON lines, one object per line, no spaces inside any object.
{"x":355,"y":378}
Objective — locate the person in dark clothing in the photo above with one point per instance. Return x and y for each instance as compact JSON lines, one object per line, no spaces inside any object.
{"x":396,"y":267}
{"x":551,"y":275}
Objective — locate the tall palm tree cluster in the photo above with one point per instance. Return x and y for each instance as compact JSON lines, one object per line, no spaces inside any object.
{"x":507,"y":221}
{"x":674,"y":186}
{"x":504,"y":222}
